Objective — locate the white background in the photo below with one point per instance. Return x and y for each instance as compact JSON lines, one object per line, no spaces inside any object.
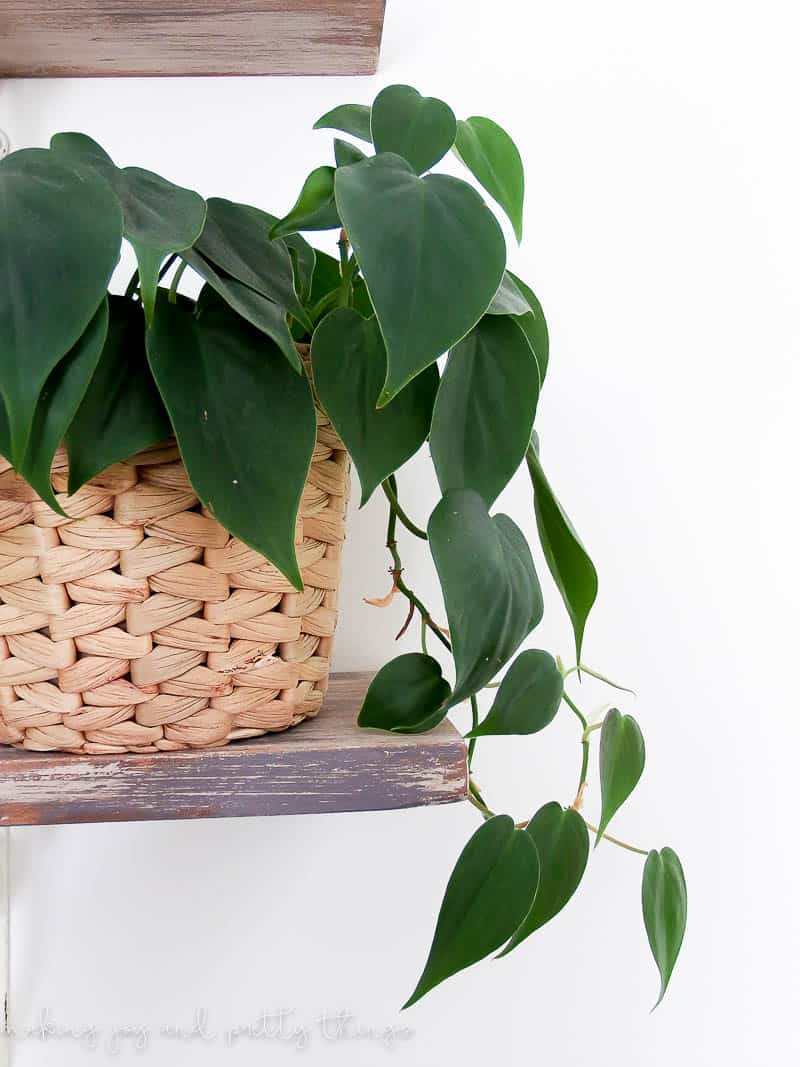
{"x":662,"y":236}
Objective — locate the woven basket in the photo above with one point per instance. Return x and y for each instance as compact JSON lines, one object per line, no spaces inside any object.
{"x":140,"y":625}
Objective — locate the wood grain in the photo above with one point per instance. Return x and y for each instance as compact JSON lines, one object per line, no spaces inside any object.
{"x":325,"y":764}
{"x":75,"y":38}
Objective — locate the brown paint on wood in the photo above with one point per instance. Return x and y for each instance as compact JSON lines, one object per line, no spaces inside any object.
{"x":63,"y":38}
{"x":326,"y":764}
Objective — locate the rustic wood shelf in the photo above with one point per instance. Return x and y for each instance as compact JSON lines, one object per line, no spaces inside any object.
{"x":325,"y":764}
{"x":110,"y":38}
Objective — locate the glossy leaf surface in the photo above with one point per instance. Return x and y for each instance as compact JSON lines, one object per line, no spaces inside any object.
{"x":621,"y":763}
{"x":533,"y":325}
{"x":349,"y":118}
{"x":406,"y":695}
{"x":528,"y":698}
{"x":315,"y":208}
{"x":421,"y":129}
{"x":664,"y":906}
{"x":487,"y":150}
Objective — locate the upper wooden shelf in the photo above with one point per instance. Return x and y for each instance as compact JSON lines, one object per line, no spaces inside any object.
{"x":324,"y":764}
{"x":94,"y":38}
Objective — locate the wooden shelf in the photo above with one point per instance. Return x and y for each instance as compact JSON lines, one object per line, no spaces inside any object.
{"x":195,"y":37}
{"x":325,"y":764}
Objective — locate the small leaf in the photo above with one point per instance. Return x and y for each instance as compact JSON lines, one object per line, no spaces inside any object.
{"x":486,"y":149}
{"x":567,"y":559}
{"x":349,"y":362}
{"x":349,"y":118}
{"x":664,"y":905}
{"x":621,"y":763}
{"x":533,"y":325}
{"x":421,"y":129}
{"x":406,"y":695}
{"x":346,"y":153}
{"x":315,"y":208}
{"x":491,"y":592}
{"x":485,"y":408}
{"x":508,"y":300}
{"x":528,"y":698}
{"x":488,"y":895}
{"x":562,"y":842}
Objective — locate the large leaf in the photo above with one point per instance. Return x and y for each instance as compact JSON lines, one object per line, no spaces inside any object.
{"x":63,"y":392}
{"x":562,"y":842}
{"x":349,"y":363}
{"x":664,"y":905}
{"x":568,"y":561}
{"x":349,"y":118}
{"x":621,"y":763}
{"x":122,"y":412}
{"x":488,"y":895}
{"x":528,"y":698}
{"x":491,"y":592}
{"x":431,"y":253}
{"x":533,"y":325}
{"x":487,"y":150}
{"x":314,"y":209}
{"x":406,"y":695}
{"x":485,"y":409}
{"x":244,"y":420}
{"x":60,"y":235}
{"x":421,"y":129}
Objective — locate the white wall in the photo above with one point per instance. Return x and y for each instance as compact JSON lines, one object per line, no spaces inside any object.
{"x":662,"y":236}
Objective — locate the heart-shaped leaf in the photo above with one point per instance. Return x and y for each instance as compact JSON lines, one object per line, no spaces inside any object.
{"x":349,"y":118}
{"x":406,"y":695}
{"x":315,"y":208}
{"x":485,"y":408}
{"x":488,"y":895}
{"x":60,"y":235}
{"x":533,"y":325}
{"x":567,"y":559}
{"x":349,"y":363}
{"x":346,"y":153}
{"x":122,"y":411}
{"x":562,"y":842}
{"x":664,"y":905}
{"x":528,"y":698}
{"x":487,"y":150}
{"x":421,"y":129}
{"x":244,"y":420}
{"x":508,"y":300}
{"x":621,"y":763}
{"x":491,"y":592}
{"x":431,"y":253}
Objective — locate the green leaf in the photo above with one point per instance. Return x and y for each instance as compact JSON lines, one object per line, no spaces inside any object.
{"x":489,"y":893}
{"x":664,"y":905}
{"x":83,"y":152}
{"x":122,"y":412}
{"x":327,"y":279}
{"x":562,"y":842}
{"x":621,"y":763}
{"x":244,"y":420}
{"x":406,"y":695}
{"x":485,"y":409}
{"x":421,"y":129}
{"x":315,"y":207}
{"x":431,"y":253}
{"x":58,"y":401}
{"x":528,"y":698}
{"x":60,"y":235}
{"x":491,"y":592}
{"x":508,"y":300}
{"x":349,"y":118}
{"x":533,"y":325}
{"x":304,"y":259}
{"x":489,"y":153}
{"x":568,"y":561}
{"x":349,"y":363}
{"x":346,"y":153}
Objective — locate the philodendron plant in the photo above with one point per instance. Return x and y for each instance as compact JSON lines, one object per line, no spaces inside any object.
{"x":421,"y":273}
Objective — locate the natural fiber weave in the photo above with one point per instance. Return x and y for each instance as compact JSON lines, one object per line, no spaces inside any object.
{"x":140,"y":625}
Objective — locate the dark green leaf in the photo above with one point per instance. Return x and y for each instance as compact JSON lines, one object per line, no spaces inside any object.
{"x":122,"y":411}
{"x":315,"y":208}
{"x":486,"y":149}
{"x":349,"y":118}
{"x":421,"y":129}
{"x":244,"y":421}
{"x":485,"y":408}
{"x":346,"y":153}
{"x":567,"y":559}
{"x":304,"y":259}
{"x":406,"y":695}
{"x":533,"y":325}
{"x":327,"y":279}
{"x":60,"y":235}
{"x":621,"y":763}
{"x":431,"y":253}
{"x":491,"y":592}
{"x":528,"y":698}
{"x":349,"y":369}
{"x":81,"y":151}
{"x":562,"y":841}
{"x":664,"y":905}
{"x":488,"y":895}
{"x":508,"y":300}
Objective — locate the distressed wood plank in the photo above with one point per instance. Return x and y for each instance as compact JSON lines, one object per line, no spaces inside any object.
{"x":326,"y":764}
{"x":63,"y":38}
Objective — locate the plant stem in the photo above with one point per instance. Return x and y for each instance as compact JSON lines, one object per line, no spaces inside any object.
{"x":616,"y":841}
{"x":176,"y":281}
{"x":346,"y":268}
{"x":475,"y":798}
{"x":409,"y":525}
{"x":473,"y":740}
{"x":585,"y":751}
